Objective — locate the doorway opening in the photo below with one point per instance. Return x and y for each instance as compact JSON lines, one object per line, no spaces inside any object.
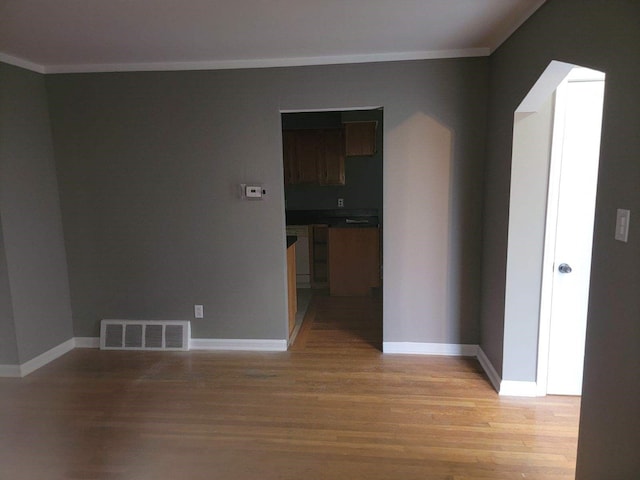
{"x":555,"y":160}
{"x":332,"y":166}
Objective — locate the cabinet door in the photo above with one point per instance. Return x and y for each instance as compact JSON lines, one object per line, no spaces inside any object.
{"x":309,"y":152}
{"x":291,"y":172}
{"x":291,"y":286}
{"x":360,"y":138}
{"x":354,"y":261}
{"x":331,"y":165}
{"x":313,"y":156}
{"x":319,"y":253}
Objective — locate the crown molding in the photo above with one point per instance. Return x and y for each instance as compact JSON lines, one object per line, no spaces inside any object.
{"x":244,"y":64}
{"x":19,"y":62}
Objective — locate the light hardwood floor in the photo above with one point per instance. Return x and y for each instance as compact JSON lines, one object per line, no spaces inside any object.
{"x":333,"y":407}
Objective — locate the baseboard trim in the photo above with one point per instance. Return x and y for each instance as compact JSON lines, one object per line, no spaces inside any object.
{"x":46,"y":357}
{"x":10,"y":371}
{"x":503,"y":387}
{"x":418,"y":348}
{"x":506,"y":388}
{"x":87,"y":342}
{"x":254,"y":345}
{"x":514,"y":388}
{"x":489,"y":369}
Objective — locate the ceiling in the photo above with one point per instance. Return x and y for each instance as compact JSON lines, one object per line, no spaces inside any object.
{"x":123,"y":35}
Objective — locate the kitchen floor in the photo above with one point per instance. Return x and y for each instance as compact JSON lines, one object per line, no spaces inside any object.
{"x":341,"y":324}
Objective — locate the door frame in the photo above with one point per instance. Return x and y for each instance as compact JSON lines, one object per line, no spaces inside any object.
{"x":284,"y":207}
{"x":546,"y":290}
{"x":553,"y":194}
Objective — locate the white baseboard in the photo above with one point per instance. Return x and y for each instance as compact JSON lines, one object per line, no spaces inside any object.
{"x":417,"y":348}
{"x":17,"y":371}
{"x":488,"y":368}
{"x":11,"y":371}
{"x":257,"y":345}
{"x":208,"y":344}
{"x":87,"y":342}
{"x":37,"y":362}
{"x":513,"y":388}
{"x":503,"y":387}
{"x":506,"y":388}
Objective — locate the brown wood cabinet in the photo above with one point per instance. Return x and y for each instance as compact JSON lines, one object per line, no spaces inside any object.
{"x":354,"y":261}
{"x":319,"y":256}
{"x":289,"y":157}
{"x":291,"y":286}
{"x":360,"y":138}
{"x":331,"y":163}
{"x":313,"y":156}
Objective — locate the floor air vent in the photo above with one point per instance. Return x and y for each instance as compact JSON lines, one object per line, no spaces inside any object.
{"x":145,"y":335}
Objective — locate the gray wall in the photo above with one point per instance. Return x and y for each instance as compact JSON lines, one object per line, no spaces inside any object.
{"x":149,"y":164}
{"x":603,"y":35}
{"x":30,"y":212}
{"x":363,"y":175}
{"x":8,"y":342}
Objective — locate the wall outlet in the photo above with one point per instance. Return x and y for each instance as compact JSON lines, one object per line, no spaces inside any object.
{"x":198,"y":311}
{"x":341,"y":202}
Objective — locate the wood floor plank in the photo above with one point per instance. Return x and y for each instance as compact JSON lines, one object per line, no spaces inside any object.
{"x":333,"y":407}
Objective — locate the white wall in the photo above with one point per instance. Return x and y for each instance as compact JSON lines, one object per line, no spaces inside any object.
{"x":532,"y":135}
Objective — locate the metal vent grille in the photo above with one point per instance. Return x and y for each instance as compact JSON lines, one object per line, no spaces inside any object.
{"x":153,"y":336}
{"x":112,"y":335}
{"x":145,"y":335}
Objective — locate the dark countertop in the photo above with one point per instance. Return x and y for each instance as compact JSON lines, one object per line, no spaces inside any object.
{"x":291,"y":239}
{"x":341,"y":218}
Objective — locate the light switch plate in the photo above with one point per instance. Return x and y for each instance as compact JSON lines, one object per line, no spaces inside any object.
{"x":198,"y":311}
{"x":622,"y":224}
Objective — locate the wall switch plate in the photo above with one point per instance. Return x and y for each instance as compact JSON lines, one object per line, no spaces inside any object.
{"x":198,"y":311}
{"x":622,"y":224}
{"x":341,"y":202}
{"x":253,"y":191}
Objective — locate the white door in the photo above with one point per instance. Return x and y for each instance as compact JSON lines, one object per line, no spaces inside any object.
{"x":582,"y":117}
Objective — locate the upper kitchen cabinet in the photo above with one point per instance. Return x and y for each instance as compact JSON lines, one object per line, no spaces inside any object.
{"x":331,"y":163}
{"x":360,"y":138}
{"x":302,"y":151}
{"x":314,"y":156}
{"x":289,"y":157}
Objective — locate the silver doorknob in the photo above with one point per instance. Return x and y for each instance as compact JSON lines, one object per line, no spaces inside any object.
{"x":564,"y":268}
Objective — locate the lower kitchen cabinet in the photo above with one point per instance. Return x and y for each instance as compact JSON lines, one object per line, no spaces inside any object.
{"x":354,"y":261}
{"x":291,"y":286}
{"x":319,"y":254}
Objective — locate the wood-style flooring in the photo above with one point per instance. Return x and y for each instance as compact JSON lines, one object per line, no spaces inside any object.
{"x":333,"y":407}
